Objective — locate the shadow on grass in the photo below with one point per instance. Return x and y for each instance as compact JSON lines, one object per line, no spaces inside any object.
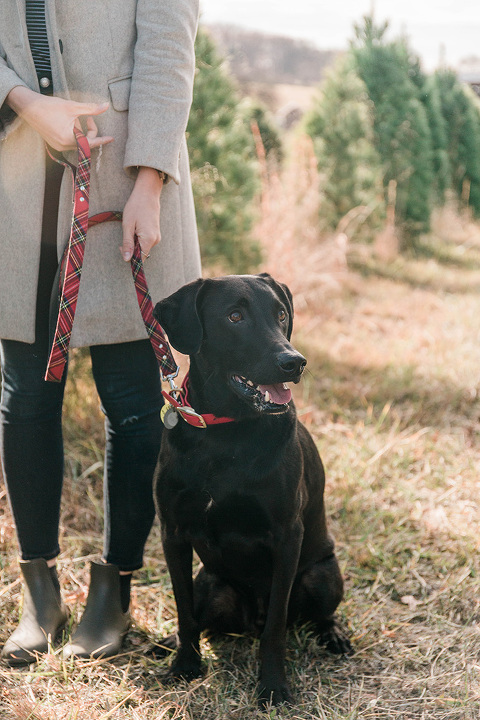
{"x":345,"y":390}
{"x":447,"y":253}
{"x":412,"y":271}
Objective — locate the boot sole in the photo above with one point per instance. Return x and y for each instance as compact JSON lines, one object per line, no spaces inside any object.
{"x":12,"y":661}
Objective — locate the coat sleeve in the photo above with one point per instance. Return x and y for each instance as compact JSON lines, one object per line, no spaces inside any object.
{"x":162,"y":84}
{"x":8,"y":80}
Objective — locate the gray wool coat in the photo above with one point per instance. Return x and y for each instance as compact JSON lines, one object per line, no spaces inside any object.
{"x":139,"y":56}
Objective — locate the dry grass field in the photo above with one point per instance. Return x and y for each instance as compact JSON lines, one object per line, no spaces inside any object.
{"x":392,"y":398}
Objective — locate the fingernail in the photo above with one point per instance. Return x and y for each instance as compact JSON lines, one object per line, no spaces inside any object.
{"x":127,"y":255}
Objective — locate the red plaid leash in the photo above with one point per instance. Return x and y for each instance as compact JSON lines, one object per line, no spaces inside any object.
{"x":72,"y":263}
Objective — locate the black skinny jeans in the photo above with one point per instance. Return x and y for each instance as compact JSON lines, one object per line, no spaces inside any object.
{"x":128,"y":383}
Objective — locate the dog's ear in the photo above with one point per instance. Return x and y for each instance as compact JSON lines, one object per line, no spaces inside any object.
{"x":178,"y":316}
{"x":283,"y":292}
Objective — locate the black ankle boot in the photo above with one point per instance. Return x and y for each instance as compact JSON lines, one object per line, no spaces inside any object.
{"x":104,"y":623}
{"x":43,"y":616}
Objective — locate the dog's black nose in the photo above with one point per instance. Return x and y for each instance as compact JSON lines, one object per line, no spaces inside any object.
{"x":292,"y":364}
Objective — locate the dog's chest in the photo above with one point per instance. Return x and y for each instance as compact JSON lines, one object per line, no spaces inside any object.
{"x":232,"y":533}
{"x":229,"y":499}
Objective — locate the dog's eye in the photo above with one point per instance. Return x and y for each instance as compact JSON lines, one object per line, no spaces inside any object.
{"x":282,"y":315}
{"x":235,"y":316}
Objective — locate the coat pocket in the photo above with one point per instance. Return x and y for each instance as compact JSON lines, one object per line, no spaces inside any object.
{"x":119,"y":89}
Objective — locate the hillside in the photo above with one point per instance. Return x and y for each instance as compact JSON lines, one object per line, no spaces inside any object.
{"x":256,"y":57}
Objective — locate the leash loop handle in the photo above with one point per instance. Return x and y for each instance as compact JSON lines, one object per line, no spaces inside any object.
{"x":72,"y":263}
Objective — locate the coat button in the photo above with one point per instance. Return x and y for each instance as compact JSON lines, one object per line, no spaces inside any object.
{"x":44,"y":82}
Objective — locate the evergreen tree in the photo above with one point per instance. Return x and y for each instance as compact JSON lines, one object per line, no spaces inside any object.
{"x":401,"y":130}
{"x":461,"y":112}
{"x":442,"y":172}
{"x":269,"y":134}
{"x":341,"y":126}
{"x":223,"y":162}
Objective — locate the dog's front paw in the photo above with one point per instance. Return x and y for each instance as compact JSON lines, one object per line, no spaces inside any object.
{"x":336,"y":641}
{"x":186,"y":666}
{"x":274,"y":694}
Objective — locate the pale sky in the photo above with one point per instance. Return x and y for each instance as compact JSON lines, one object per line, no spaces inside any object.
{"x":428,"y":24}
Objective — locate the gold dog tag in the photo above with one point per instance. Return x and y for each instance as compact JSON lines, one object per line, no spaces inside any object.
{"x":169,"y":416}
{"x":191,"y":417}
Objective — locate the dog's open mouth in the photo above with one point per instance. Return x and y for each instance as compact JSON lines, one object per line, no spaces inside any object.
{"x":265,"y":398}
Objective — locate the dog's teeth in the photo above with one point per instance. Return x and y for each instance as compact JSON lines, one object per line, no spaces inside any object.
{"x":250,"y":383}
{"x":285,"y":386}
{"x":267,"y":396}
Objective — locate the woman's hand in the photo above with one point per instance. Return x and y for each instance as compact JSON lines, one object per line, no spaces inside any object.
{"x":54,"y":118}
{"x":141,"y":215}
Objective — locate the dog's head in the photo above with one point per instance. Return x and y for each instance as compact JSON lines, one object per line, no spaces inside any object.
{"x":236,"y":330}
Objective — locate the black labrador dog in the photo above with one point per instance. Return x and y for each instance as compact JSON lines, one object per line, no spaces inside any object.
{"x":245,"y":493}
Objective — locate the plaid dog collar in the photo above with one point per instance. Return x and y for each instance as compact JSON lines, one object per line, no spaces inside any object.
{"x":186,"y":411}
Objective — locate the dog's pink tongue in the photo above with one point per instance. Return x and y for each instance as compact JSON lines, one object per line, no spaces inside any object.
{"x":278,"y":393}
